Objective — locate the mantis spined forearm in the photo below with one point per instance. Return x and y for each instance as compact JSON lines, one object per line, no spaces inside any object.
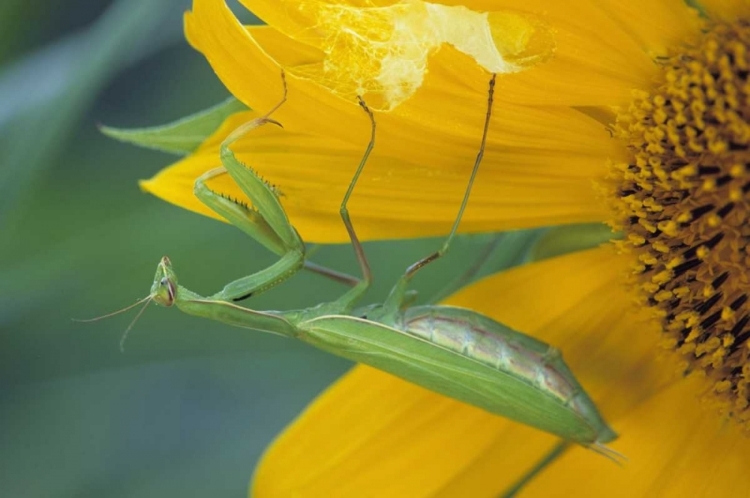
{"x":453,"y":351}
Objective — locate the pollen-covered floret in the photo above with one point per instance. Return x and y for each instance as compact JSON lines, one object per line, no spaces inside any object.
{"x":683,"y":202}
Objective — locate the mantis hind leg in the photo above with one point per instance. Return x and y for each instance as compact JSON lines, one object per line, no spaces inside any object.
{"x":347,"y":301}
{"x":398,"y":294}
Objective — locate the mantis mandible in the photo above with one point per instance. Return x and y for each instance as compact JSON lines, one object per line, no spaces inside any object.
{"x":453,"y":351}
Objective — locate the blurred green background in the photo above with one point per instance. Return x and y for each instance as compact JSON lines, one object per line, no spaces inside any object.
{"x":190,"y":405}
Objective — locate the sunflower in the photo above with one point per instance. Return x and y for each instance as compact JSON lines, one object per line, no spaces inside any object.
{"x":639,"y":119}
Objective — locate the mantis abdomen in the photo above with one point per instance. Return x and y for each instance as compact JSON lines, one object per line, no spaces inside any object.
{"x":470,"y":357}
{"x":493,"y":344}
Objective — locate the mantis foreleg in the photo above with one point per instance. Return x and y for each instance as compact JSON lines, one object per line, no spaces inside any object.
{"x":270,"y":227}
{"x":265,"y":221}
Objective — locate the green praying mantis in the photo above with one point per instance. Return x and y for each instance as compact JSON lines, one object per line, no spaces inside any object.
{"x":453,"y":351}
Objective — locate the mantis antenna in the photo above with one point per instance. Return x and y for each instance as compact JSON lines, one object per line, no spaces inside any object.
{"x":146,"y":301}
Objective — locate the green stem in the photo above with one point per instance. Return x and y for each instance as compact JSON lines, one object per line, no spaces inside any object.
{"x":546,"y":460}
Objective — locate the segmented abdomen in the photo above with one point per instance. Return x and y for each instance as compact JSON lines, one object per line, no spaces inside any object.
{"x":491,"y":343}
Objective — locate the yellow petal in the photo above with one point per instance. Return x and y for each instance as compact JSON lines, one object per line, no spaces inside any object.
{"x":381,"y":53}
{"x":603,"y":49}
{"x":538,"y":168}
{"x":285,"y":51}
{"x":252,"y":76}
{"x":373,"y":432}
{"x":174,"y":184}
{"x":452,"y":99}
{"x":524,"y":181}
{"x":675,"y":448}
{"x":455,"y":92}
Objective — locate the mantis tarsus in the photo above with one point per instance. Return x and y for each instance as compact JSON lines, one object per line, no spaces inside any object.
{"x":454,"y":351}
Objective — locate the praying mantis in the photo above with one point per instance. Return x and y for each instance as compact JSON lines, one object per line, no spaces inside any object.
{"x":453,"y":351}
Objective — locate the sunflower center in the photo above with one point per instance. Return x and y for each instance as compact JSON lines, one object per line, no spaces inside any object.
{"x":683,"y":202}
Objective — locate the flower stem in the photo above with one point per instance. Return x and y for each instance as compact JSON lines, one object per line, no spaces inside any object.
{"x":547,"y":459}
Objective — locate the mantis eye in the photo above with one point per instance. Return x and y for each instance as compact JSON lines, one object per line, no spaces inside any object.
{"x":164,"y":286}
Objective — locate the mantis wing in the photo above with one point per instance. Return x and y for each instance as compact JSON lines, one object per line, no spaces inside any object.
{"x":451,"y":373}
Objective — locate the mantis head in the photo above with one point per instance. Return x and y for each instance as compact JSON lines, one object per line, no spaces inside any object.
{"x":163,"y":291}
{"x":164,"y":288}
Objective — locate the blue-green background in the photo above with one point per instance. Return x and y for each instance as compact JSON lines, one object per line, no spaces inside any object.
{"x":190,"y":405}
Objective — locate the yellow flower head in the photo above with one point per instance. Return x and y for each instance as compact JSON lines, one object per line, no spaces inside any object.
{"x":683,"y":203}
{"x":638,"y":117}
